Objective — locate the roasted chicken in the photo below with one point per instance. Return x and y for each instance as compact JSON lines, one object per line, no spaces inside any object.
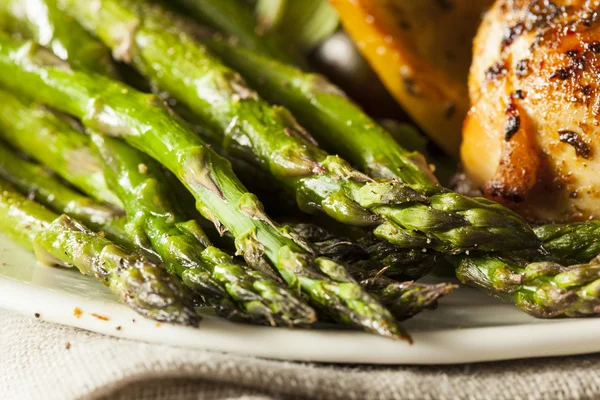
{"x":531,"y":139}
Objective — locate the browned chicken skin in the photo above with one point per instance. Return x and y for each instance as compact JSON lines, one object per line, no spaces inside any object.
{"x":532,"y":137}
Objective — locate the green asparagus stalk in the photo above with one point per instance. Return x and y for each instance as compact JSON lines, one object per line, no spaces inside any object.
{"x":373,"y":268}
{"x":543,"y":289}
{"x":44,"y":188}
{"x":144,"y":122}
{"x":329,"y":115}
{"x":184,"y":247}
{"x":54,"y":141}
{"x":181,"y":245}
{"x":270,"y":137}
{"x":205,"y":269}
{"x":406,"y":299}
{"x":43,"y":22}
{"x":60,"y":240}
{"x":341,"y":125}
{"x":576,"y":241}
{"x":238,"y":20}
{"x":366,"y":256}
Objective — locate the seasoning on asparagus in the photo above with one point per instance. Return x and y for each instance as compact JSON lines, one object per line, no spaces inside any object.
{"x":144,"y":122}
{"x":143,"y":286}
{"x":367,"y":256}
{"x":543,"y":289}
{"x":270,"y":136}
{"x":184,"y":247}
{"x":403,"y":297}
{"x":181,"y":244}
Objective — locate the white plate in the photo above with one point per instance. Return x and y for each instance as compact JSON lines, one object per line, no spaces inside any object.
{"x":467,"y":327}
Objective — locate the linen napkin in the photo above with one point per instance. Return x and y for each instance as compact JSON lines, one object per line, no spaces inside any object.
{"x":40,"y":360}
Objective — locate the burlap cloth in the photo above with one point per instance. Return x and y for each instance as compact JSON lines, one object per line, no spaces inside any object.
{"x":39,"y":360}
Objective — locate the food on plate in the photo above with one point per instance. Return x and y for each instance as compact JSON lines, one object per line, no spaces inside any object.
{"x":530,"y":139}
{"x":145,"y":123}
{"x":142,"y":138}
{"x":544,"y":289}
{"x":137,"y":282}
{"x":270,"y":137}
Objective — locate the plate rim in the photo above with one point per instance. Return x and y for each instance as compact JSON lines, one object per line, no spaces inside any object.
{"x":445,"y":346}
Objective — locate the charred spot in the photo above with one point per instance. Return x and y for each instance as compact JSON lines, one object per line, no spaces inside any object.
{"x":588,"y":17}
{"x":512,"y":33}
{"x":541,"y":13}
{"x":499,"y":191}
{"x":594,"y":47}
{"x":522,"y":68}
{"x":519,"y":94}
{"x":561,"y":73}
{"x":577,"y":63}
{"x":574,"y":139}
{"x":496,"y":71}
{"x":450,"y":110}
{"x":586,"y":90}
{"x":572,"y":53}
{"x":536,"y":42}
{"x":410,"y":85}
{"x":513,"y":124}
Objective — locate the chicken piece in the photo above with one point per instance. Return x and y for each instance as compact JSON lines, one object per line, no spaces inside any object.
{"x":532,"y":137}
{"x":421,"y":50}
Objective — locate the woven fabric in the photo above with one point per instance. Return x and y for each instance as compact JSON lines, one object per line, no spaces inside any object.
{"x":39,"y":360}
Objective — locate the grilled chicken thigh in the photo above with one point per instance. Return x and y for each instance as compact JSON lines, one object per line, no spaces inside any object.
{"x":532,"y":137}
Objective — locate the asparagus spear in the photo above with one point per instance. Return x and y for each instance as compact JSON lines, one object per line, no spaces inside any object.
{"x":543,"y":289}
{"x":271,"y":137}
{"x":183,"y":246}
{"x":238,"y":20}
{"x":321,"y":107}
{"x":55,"y":142}
{"x":40,"y":184}
{"x":373,"y":268}
{"x":367,"y":256}
{"x":181,"y":255}
{"x":341,"y":125}
{"x":406,"y":299}
{"x":60,"y":240}
{"x":144,"y":122}
{"x":43,"y":22}
{"x":576,"y":241}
